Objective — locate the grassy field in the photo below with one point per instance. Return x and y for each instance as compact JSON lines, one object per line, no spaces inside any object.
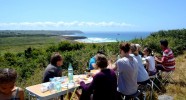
{"x":178,"y":90}
{"x":19,"y":44}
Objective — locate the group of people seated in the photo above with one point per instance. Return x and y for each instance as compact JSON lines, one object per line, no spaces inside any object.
{"x":111,"y":83}
{"x":129,"y":69}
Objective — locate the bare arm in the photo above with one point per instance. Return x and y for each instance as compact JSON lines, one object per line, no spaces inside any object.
{"x":94,"y":66}
{"x":114,"y":67}
{"x":147,"y":65}
{"x":158,"y":60}
{"x":21,"y":94}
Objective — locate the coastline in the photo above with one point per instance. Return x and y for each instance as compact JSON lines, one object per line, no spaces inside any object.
{"x":74,"y":38}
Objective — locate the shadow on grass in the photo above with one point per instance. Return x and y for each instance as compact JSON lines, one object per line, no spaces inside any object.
{"x":180,"y":83}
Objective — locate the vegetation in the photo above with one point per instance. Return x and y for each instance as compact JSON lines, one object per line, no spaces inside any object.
{"x":18,"y":40}
{"x":176,"y":39}
{"x":31,"y":62}
{"x":178,"y":89}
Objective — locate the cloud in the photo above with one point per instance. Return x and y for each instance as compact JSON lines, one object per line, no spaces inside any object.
{"x":66,"y":24}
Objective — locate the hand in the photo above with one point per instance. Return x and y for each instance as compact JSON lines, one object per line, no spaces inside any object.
{"x":156,"y":58}
{"x":79,"y":80}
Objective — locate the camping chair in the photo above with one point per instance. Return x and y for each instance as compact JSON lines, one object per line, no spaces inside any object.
{"x":167,"y":77}
{"x":152,"y":79}
{"x":132,"y":97}
{"x":144,"y":88}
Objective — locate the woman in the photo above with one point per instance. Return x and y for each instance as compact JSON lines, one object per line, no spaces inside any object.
{"x":104,"y":84}
{"x":143,"y":77}
{"x":150,"y":65}
{"x":127,"y":68}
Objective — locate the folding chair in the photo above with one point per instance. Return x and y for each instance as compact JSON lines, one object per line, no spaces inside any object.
{"x":132,"y":97}
{"x":152,"y":79}
{"x":167,"y":77}
{"x":145,"y":88}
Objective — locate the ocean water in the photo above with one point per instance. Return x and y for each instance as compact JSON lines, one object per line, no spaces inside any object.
{"x":98,"y":37}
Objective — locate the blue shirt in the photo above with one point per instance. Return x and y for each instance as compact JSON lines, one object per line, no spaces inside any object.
{"x":142,"y":73}
{"x":92,"y":61}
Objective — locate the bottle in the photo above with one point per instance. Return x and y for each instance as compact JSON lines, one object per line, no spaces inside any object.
{"x":70,"y":73}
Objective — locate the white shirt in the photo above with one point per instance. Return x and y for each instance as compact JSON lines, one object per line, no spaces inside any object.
{"x":151,"y":61}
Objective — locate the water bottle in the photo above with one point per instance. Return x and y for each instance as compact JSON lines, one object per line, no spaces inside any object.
{"x":51,"y":86}
{"x":70,"y":73}
{"x":58,"y":86}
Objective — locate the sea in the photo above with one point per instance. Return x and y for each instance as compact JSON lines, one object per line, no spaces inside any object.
{"x":99,"y":37}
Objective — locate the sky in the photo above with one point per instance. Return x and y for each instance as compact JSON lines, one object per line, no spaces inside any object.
{"x":93,"y":15}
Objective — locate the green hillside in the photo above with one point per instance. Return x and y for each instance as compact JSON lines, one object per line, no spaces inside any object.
{"x":31,"y":62}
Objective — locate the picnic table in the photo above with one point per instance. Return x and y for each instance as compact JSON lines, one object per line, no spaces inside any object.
{"x":35,"y":90}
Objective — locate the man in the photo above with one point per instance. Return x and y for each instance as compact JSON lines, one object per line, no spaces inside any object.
{"x":92,"y":62}
{"x":54,"y":68}
{"x":167,"y":62}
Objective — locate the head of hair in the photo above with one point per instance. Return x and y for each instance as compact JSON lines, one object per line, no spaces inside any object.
{"x":125,"y":47}
{"x":7,"y":75}
{"x":100,"y":52}
{"x":55,"y":58}
{"x":164,"y":42}
{"x":133,"y":48}
{"x":101,"y":61}
{"x":138,"y":46}
{"x":149,"y":51}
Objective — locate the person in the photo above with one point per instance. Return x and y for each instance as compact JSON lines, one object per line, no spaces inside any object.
{"x":150,"y":61}
{"x":54,"y":68}
{"x":8,"y":90}
{"x":139,"y":50}
{"x":127,"y":68}
{"x":104,"y":84}
{"x":167,"y":62}
{"x":143,"y":77}
{"x":92,"y":61}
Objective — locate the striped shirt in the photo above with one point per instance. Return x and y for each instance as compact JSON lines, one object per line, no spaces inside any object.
{"x":168,"y":60}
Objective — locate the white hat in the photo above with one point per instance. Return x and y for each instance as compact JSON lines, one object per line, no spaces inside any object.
{"x":138,"y":46}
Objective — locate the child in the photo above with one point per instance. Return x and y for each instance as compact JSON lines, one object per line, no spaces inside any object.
{"x":8,"y":90}
{"x":150,"y":65}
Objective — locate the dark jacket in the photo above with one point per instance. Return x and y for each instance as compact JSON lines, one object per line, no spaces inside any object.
{"x":103,"y":86}
{"x":50,"y":72}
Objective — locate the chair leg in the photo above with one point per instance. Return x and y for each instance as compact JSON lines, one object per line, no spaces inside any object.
{"x":153,"y":84}
{"x":159,"y":80}
{"x":168,"y":77}
{"x":136,"y":98}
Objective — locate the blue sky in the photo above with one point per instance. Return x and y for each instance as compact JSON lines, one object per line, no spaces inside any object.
{"x":93,"y":15}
